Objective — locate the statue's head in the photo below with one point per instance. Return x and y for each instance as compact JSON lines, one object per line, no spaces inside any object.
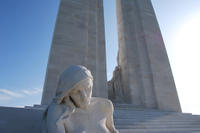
{"x":75,"y":84}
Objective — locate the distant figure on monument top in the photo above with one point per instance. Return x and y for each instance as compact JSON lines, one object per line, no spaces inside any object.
{"x":74,"y":110}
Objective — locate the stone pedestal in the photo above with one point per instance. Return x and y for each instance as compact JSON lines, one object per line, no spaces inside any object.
{"x":79,"y":39}
{"x":146,"y":75}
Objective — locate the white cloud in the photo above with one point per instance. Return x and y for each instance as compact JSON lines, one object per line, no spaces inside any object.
{"x":4,"y":97}
{"x":6,"y":94}
{"x":10,"y":93}
{"x":32,"y":91}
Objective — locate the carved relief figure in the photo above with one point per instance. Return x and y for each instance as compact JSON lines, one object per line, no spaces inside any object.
{"x":74,"y":110}
{"x":115,"y":87}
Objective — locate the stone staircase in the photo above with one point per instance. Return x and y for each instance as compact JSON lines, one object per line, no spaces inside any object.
{"x":131,"y":119}
{"x":128,"y":119}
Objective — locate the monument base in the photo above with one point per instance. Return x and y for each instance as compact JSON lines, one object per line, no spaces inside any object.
{"x":20,"y":120}
{"x":128,"y":119}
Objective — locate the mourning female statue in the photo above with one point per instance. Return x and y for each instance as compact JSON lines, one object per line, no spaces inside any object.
{"x":73,"y":110}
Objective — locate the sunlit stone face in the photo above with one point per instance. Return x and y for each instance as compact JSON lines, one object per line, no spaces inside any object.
{"x":81,"y":95}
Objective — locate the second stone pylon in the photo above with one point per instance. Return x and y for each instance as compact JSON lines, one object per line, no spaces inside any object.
{"x":146,"y":76}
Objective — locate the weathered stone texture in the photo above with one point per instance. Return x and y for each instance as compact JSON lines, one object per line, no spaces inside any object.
{"x":79,"y":39}
{"x":146,"y":74}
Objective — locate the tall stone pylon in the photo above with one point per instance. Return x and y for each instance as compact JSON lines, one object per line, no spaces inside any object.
{"x":146,"y":75}
{"x":79,"y":39}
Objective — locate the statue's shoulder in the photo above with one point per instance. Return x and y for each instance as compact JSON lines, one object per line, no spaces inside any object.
{"x":53,"y":106}
{"x":55,"y":109}
{"x":102,"y":102}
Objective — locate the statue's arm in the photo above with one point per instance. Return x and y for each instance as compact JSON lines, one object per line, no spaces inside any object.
{"x":109,"y":119}
{"x":53,"y":122}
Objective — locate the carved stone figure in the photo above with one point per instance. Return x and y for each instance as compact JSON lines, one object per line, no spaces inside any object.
{"x":115,"y":87}
{"x":74,"y":110}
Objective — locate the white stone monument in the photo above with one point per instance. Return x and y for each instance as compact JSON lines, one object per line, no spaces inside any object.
{"x":146,"y":76}
{"x":143,"y":78}
{"x":79,"y":39}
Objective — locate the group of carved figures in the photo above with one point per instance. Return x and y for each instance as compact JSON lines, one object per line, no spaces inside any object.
{"x":74,"y":110}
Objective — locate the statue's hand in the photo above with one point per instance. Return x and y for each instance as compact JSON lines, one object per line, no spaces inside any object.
{"x":68,"y":109}
{"x":115,"y":131}
{"x":59,"y":122}
{"x":60,"y":126}
{"x":65,"y":115}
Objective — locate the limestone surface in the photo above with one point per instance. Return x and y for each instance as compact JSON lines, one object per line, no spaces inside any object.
{"x":146,"y":75}
{"x":79,"y":39}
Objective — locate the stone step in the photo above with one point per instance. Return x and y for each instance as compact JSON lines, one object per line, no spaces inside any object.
{"x":149,"y":112}
{"x":139,"y":120}
{"x":145,"y":110}
{"x":139,"y":108}
{"x":155,"y":118}
{"x":155,"y":122}
{"x":153,"y":114}
{"x":130,"y":121}
{"x":158,"y":126}
{"x":176,"y":130}
{"x":163,"y":129}
{"x":133,"y":107}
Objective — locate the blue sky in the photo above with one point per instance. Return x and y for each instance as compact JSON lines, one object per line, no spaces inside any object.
{"x":26,"y":30}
